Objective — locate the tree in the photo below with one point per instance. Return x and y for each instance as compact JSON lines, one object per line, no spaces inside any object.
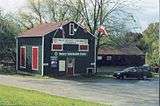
{"x":112,"y":14}
{"x":8,"y":31}
{"x":150,"y":44}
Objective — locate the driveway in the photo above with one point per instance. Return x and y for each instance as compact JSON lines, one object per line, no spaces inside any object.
{"x":114,"y":92}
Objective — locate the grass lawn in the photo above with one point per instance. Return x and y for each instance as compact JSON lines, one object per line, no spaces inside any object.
{"x":20,"y":97}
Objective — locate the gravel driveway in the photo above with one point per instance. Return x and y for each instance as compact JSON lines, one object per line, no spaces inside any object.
{"x":114,"y":92}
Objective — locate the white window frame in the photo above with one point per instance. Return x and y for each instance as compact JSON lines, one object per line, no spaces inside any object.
{"x":99,"y":57}
{"x":36,"y":69}
{"x":71,"y":24}
{"x":57,"y":49}
{"x":109,"y":58}
{"x":24,"y":57}
{"x":83,"y":50}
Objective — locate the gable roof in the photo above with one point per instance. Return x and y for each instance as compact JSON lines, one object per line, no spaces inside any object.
{"x":42,"y":29}
{"x":45,"y":28}
{"x":120,"y":51}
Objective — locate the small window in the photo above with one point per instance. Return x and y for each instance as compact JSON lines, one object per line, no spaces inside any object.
{"x":71,"y":29}
{"x":23,"y":57}
{"x":57,"y":47}
{"x":99,"y":57}
{"x":83,"y":48}
{"x":109,"y":57}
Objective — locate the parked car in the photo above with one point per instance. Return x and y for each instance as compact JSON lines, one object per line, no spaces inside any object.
{"x":133,"y":72}
{"x":154,"y":69}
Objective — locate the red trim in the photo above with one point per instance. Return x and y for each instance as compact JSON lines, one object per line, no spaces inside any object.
{"x":35,"y":57}
{"x":57,"y":47}
{"x":22,"y":56}
{"x":83,"y":47}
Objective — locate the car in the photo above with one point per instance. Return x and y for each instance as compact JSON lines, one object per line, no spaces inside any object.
{"x":133,"y":72}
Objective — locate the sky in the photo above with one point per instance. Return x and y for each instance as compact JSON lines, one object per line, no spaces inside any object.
{"x":148,"y":10}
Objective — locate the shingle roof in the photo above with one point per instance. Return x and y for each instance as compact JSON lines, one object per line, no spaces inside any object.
{"x":42,"y":29}
{"x":120,"y":51}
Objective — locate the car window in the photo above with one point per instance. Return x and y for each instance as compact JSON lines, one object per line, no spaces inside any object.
{"x":134,"y":70}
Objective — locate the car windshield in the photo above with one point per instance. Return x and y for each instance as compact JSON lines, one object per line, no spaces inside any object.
{"x":129,"y":69}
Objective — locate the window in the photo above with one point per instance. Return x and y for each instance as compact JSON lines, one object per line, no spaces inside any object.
{"x":35,"y":56}
{"x":57,"y":47}
{"x":23,"y":57}
{"x":71,"y":29}
{"x":83,"y":48}
{"x":109,"y":57}
{"x":99,"y":57}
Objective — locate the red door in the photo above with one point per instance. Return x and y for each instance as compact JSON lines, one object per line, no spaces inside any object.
{"x":35,"y":59}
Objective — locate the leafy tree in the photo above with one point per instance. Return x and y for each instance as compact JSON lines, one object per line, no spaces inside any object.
{"x":8,"y":31}
{"x":151,"y":44}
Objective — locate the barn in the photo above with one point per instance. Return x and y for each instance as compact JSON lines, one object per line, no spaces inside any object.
{"x":57,"y":48}
{"x":124,"y":56}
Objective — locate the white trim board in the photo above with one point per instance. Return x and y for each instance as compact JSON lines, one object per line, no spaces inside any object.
{"x":42,"y":69}
{"x":71,"y":25}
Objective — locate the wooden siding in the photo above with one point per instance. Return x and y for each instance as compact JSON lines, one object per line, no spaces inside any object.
{"x":29,"y":42}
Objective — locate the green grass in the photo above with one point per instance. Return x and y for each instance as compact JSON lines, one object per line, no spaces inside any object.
{"x":21,"y":97}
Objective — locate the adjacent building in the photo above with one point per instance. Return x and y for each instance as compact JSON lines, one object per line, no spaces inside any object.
{"x":126,"y":56}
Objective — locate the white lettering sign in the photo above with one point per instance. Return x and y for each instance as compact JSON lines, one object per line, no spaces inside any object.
{"x":70,"y":41}
{"x":72,"y":54}
{"x":61,"y":65}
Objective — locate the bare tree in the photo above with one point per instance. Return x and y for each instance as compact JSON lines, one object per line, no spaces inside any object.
{"x":112,"y":14}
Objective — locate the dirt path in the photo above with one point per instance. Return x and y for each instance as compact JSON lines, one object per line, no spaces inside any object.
{"x":114,"y":92}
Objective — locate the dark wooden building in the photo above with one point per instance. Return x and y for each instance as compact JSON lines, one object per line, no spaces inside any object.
{"x":128,"y":56}
{"x":56,"y":49}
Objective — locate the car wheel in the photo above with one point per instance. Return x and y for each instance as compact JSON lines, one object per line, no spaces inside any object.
{"x":124,"y":77}
{"x":140,"y":77}
{"x":144,"y":77}
{"x":118,"y":77}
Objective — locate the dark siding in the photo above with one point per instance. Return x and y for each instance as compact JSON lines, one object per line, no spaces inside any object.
{"x":122,"y":60}
{"x":81,"y":62}
{"x":29,"y":42}
{"x":70,"y":48}
{"x":47,"y":54}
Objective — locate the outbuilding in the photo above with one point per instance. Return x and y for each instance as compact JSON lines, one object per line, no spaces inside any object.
{"x":124,"y":56}
{"x":57,"y":48}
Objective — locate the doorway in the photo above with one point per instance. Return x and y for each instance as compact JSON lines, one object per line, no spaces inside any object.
{"x":70,"y":66}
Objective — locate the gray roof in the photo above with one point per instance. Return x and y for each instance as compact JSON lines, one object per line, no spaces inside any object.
{"x":120,"y":51}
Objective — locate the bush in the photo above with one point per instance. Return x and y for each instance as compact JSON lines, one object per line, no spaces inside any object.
{"x":7,"y":70}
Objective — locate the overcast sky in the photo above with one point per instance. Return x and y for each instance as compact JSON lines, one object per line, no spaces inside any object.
{"x":148,"y":12}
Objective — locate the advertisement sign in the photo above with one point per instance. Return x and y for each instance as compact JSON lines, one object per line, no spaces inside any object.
{"x":62,"y":65}
{"x":72,"y":54}
{"x":54,"y":62}
{"x":70,"y":41}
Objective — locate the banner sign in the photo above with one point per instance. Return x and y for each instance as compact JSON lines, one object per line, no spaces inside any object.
{"x":70,"y":41}
{"x":72,"y":54}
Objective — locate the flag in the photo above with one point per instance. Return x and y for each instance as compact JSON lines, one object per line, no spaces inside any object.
{"x":62,"y":31}
{"x":102,"y":30}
